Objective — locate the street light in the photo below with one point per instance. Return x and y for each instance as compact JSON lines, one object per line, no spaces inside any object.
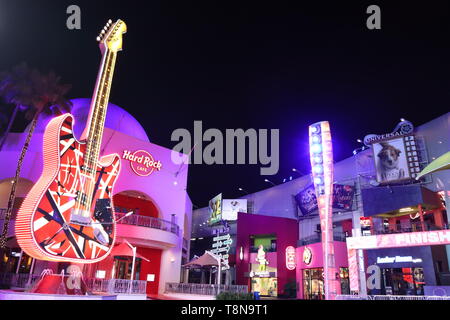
{"x":243,"y":190}
{"x":267,"y":180}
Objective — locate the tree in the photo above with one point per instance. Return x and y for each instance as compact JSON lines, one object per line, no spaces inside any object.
{"x":36,"y":93}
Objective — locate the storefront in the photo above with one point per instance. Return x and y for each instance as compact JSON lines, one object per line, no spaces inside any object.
{"x":310,"y":270}
{"x":159,"y":227}
{"x":262,"y":260}
{"x":406,"y":271}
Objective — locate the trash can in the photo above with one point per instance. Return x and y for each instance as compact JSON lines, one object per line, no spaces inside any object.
{"x":256,"y":295}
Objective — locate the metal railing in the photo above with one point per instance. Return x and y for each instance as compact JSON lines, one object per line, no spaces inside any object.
{"x":390,"y":297}
{"x":18,"y":280}
{"x":337,"y":236}
{"x":105,"y":286}
{"x":135,"y":220}
{"x":204,"y":289}
{"x":149,"y":222}
{"x":116,"y":286}
{"x":416,"y":227}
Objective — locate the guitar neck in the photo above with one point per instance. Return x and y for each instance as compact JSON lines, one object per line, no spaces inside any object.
{"x":97,"y":115}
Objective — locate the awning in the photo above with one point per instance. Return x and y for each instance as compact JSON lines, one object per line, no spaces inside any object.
{"x":125,"y":250}
{"x":207,"y":259}
{"x":441,"y":163}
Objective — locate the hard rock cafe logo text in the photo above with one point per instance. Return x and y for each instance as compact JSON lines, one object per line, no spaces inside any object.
{"x":142,"y":162}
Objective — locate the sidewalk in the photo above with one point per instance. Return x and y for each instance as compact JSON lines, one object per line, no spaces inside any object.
{"x":180,"y":296}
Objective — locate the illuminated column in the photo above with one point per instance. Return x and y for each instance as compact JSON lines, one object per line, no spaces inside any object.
{"x":321,"y":154}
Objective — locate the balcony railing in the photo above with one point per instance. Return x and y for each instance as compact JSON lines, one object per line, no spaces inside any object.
{"x":148,"y":222}
{"x":135,"y":220}
{"x":204,"y":289}
{"x":18,"y":280}
{"x":337,"y":236}
{"x":116,"y":286}
{"x":416,"y":227}
{"x":95,"y":286}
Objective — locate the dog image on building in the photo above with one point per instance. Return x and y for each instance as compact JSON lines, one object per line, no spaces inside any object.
{"x":389,"y":167}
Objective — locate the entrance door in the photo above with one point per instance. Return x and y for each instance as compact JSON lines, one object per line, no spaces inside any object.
{"x":265,"y":286}
{"x":124,"y":266}
{"x":403,"y":281}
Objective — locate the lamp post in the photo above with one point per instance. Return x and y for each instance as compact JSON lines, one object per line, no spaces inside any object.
{"x":267,"y":180}
{"x":132,"y":265}
{"x":243,"y":190}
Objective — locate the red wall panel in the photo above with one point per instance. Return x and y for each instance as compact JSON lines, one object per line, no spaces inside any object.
{"x":146,"y":207}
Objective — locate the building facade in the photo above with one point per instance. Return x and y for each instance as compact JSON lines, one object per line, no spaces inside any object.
{"x":160,"y":225}
{"x":365,"y":211}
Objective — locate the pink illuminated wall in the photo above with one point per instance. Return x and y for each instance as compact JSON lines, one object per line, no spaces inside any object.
{"x":340,"y":250}
{"x":286,"y":232}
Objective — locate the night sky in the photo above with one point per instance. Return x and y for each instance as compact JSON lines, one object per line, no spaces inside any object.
{"x":245,"y":65}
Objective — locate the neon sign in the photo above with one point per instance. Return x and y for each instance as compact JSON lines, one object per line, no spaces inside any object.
{"x":142,"y":162}
{"x":290,"y":258}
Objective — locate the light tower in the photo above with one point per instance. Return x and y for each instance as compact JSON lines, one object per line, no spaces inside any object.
{"x":321,"y":155}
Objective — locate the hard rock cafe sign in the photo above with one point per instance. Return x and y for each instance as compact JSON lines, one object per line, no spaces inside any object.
{"x":142,"y":162}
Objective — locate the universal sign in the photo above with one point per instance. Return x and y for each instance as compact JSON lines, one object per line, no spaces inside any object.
{"x":142,"y":162}
{"x":402,"y":129}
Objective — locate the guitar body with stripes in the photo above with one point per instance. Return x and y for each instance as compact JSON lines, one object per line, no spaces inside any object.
{"x":44,"y":225}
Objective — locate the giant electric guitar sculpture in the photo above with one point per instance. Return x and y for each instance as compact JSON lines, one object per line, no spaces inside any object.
{"x":68,"y":214}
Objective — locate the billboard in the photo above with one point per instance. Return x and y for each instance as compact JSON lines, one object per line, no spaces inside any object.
{"x":391,"y":160}
{"x":342,"y":198}
{"x":215,"y":210}
{"x":398,"y":155}
{"x":231,"y":207}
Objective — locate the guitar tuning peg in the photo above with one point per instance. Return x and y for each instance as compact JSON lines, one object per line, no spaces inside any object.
{"x":109,"y":21}
{"x":98,"y":39}
{"x":103,"y":31}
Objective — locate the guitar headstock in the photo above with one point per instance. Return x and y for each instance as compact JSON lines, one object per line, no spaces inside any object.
{"x":111,"y":35}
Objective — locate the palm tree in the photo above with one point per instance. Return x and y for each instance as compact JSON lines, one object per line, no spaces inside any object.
{"x":36,"y":93}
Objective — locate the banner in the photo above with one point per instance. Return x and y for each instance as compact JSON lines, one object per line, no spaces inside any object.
{"x":342,"y":199}
{"x":215,"y":210}
{"x":231,"y":207}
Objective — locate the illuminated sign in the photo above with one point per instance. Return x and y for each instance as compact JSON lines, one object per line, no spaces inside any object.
{"x":398,"y":259}
{"x":321,"y":157}
{"x":221,"y":247}
{"x":307,"y":256}
{"x":290,"y":258}
{"x":231,"y":207}
{"x":142,"y":162}
{"x":402,"y":129}
{"x":259,"y":274}
{"x":438,"y":237}
{"x":215,"y":210}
